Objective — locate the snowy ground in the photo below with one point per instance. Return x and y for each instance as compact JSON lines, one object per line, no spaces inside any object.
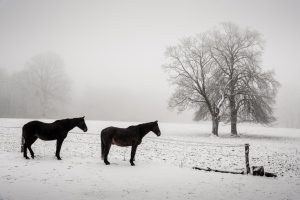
{"x":163,"y":165}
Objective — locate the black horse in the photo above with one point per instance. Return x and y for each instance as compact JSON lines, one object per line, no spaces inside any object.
{"x":57,"y":130}
{"x":131,"y":136}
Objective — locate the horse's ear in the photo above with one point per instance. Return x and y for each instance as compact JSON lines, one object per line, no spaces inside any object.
{"x":156,"y":121}
{"x":83,"y":117}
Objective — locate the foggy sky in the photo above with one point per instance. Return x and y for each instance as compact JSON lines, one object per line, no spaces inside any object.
{"x":116,"y":48}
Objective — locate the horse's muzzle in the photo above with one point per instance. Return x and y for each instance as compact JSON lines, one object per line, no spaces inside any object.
{"x":158,"y":134}
{"x":85,"y":130}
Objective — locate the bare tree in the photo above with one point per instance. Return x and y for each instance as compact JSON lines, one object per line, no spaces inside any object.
{"x":222,"y":69}
{"x":191,"y":68}
{"x":251,"y":92}
{"x":46,"y":77}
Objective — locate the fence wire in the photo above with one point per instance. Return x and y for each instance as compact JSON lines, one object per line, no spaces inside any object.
{"x":181,"y":148}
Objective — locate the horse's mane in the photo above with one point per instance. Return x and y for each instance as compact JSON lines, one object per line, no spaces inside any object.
{"x":66,"y":121}
{"x":146,"y":124}
{"x":139,"y":126}
{"x":61,"y":120}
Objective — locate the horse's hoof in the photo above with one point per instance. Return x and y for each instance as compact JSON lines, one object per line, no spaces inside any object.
{"x":107,"y":163}
{"x":132,"y":164}
{"x":59,"y":158}
{"x":32,"y":157}
{"x":27,"y":157}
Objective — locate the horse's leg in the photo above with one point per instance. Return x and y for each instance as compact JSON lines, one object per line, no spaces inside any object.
{"x":25,"y":150}
{"x":106,"y":149}
{"x":58,"y":147}
{"x":133,"y":150}
{"x":29,"y":146}
{"x":22,"y":141}
{"x":25,"y":142}
{"x":102,"y":149}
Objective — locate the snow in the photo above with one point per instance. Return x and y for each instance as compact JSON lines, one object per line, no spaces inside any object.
{"x":163,"y":164}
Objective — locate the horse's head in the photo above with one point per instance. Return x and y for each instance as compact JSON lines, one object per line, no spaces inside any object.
{"x":82,"y":124}
{"x":155,"y":128}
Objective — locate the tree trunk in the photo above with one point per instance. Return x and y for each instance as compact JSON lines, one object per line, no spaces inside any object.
{"x":233,"y":116}
{"x":215,"y":126}
{"x":233,"y":119}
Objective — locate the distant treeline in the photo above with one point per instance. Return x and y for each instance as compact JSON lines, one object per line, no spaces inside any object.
{"x":41,"y":86}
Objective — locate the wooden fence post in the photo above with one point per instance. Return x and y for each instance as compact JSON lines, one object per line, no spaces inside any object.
{"x":247,"y":158}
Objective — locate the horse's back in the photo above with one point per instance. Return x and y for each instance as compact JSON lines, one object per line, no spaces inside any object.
{"x":112,"y":132}
{"x":115,"y":130}
{"x":119,"y":136}
{"x":37,"y":127}
{"x":109,"y":130}
{"x":132,"y":128}
{"x":32,"y":125}
{"x":30,"y":128}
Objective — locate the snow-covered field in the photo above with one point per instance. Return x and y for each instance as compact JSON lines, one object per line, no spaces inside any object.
{"x":163,"y":164}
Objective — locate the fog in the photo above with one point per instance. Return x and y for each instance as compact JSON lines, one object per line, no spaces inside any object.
{"x":113,"y":50}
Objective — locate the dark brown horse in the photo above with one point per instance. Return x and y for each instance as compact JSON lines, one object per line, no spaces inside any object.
{"x":57,"y":130}
{"x":131,"y":136}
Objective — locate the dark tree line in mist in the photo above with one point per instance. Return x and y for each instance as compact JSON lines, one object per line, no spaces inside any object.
{"x":40,"y":89}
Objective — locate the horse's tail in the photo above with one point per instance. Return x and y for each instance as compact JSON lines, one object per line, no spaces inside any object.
{"x":102,"y":145}
{"x":22,"y":140}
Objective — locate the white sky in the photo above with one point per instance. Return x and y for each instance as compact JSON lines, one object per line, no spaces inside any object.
{"x":118,"y":46}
